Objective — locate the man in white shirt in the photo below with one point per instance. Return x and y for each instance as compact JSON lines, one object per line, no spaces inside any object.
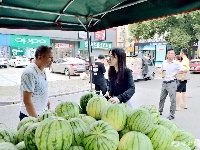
{"x":34,"y":85}
{"x":169,"y":69}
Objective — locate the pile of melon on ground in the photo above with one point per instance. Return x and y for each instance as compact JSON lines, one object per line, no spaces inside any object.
{"x":97,"y":125}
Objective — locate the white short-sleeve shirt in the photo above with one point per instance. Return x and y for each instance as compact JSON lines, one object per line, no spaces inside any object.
{"x":34,"y":80}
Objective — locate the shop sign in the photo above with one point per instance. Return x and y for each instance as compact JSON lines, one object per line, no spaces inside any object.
{"x":4,"y":40}
{"x":96,"y":44}
{"x":28,"y":41}
{"x":100,"y":35}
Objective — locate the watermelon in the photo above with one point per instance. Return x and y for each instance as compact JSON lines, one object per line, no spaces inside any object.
{"x":153,"y":111}
{"x":7,"y":146}
{"x":87,"y":119}
{"x":76,"y":148}
{"x":169,"y":125}
{"x":67,"y":110}
{"x":78,"y":129}
{"x":15,"y":134}
{"x":45,"y":115}
{"x":124,"y":131}
{"x":95,"y":106}
{"x":161,"y":138}
{"x":6,"y":135}
{"x":115,"y":115}
{"x":29,"y":137}
{"x":128,"y":109}
{"x":140,"y":120}
{"x":21,"y":146}
{"x":26,"y":120}
{"x":135,"y":141}
{"x":186,"y":137}
{"x":176,"y":145}
{"x":53,"y":133}
{"x":101,"y":136}
{"x":84,"y":100}
{"x":22,"y":130}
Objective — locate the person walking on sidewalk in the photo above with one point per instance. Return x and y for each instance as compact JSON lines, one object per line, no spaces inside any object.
{"x":98,"y":75}
{"x":169,"y":69}
{"x":182,"y":79}
{"x":34,"y":85}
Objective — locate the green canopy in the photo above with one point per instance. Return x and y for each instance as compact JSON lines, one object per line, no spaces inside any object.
{"x":76,"y":14}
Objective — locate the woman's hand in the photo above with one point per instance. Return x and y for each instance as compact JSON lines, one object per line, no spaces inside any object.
{"x":114,"y":100}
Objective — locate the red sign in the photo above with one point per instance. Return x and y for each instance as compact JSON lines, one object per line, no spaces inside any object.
{"x":100,"y":35}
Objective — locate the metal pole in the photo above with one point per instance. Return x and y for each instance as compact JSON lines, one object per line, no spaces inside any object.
{"x":90,"y":61}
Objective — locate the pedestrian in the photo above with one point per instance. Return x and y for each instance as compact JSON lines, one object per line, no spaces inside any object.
{"x":169,"y":69}
{"x":182,"y":79}
{"x":121,"y":84}
{"x":34,"y":85}
{"x":107,"y":66}
{"x":98,"y":75}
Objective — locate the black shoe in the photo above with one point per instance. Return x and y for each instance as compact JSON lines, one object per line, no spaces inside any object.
{"x":161,"y":113}
{"x":170,"y":117}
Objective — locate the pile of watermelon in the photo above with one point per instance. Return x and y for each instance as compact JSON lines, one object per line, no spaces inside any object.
{"x":96,"y":124}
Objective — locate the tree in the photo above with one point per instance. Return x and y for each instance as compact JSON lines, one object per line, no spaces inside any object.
{"x":180,"y":31}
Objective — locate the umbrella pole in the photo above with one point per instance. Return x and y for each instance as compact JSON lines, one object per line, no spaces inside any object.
{"x":90,"y":61}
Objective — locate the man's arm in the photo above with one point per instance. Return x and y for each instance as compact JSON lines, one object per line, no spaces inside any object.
{"x":27,"y":98}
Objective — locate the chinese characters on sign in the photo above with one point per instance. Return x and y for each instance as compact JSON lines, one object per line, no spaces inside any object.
{"x":100,"y":35}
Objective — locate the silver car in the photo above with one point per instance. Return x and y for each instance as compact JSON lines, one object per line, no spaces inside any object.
{"x":68,"y":66}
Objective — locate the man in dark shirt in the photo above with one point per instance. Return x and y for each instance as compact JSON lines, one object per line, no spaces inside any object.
{"x":98,"y":75}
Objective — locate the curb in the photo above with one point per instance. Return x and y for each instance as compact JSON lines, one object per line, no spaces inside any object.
{"x":10,"y":102}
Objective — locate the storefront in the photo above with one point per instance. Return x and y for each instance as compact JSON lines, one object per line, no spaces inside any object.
{"x":98,"y":47}
{"x":22,"y":45}
{"x":4,"y":45}
{"x":63,"y":50}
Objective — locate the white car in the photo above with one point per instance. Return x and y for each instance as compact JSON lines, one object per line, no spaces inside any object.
{"x":68,"y":66}
{"x":3,"y":62}
{"x":17,"y":61}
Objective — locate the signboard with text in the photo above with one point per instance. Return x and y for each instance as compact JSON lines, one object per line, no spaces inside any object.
{"x":28,"y":41}
{"x":96,"y":45}
{"x":100,"y":35}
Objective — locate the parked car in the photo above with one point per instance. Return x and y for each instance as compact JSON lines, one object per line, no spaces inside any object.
{"x":3,"y":62}
{"x":17,"y":61}
{"x":195,"y":65}
{"x":68,"y":66}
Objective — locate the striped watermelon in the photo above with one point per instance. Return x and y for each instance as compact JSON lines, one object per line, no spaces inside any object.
{"x":101,"y":136}
{"x":169,"y":125}
{"x":53,"y":133}
{"x":15,"y":134}
{"x":124,"y":131}
{"x":115,"y":115}
{"x":84,"y":100}
{"x":128,"y":109}
{"x":45,"y":115}
{"x":26,"y":120}
{"x":67,"y":110}
{"x":140,"y":120}
{"x":21,"y":146}
{"x":87,"y":119}
{"x":153,"y":111}
{"x":161,"y":138}
{"x":29,"y":137}
{"x":22,"y":130}
{"x":95,"y":106}
{"x":135,"y":141}
{"x":179,"y":146}
{"x":78,"y":128}
{"x":7,"y":146}
{"x":76,"y":148}
{"x":6,"y":135}
{"x":186,"y":137}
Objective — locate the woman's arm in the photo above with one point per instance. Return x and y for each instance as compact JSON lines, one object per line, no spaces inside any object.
{"x":124,"y":97}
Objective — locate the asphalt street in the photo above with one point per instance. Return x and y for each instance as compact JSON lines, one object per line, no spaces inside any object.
{"x":147,"y":92}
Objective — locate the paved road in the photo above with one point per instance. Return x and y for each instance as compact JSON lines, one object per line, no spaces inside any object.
{"x":147,"y":92}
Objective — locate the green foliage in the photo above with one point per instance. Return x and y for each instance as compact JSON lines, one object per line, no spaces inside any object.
{"x":180,"y":31}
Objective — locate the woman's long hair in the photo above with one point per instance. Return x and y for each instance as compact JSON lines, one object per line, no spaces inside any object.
{"x":121,"y":55}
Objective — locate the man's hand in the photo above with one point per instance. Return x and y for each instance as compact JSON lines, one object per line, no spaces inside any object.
{"x":48,"y":105}
{"x":114,"y":100}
